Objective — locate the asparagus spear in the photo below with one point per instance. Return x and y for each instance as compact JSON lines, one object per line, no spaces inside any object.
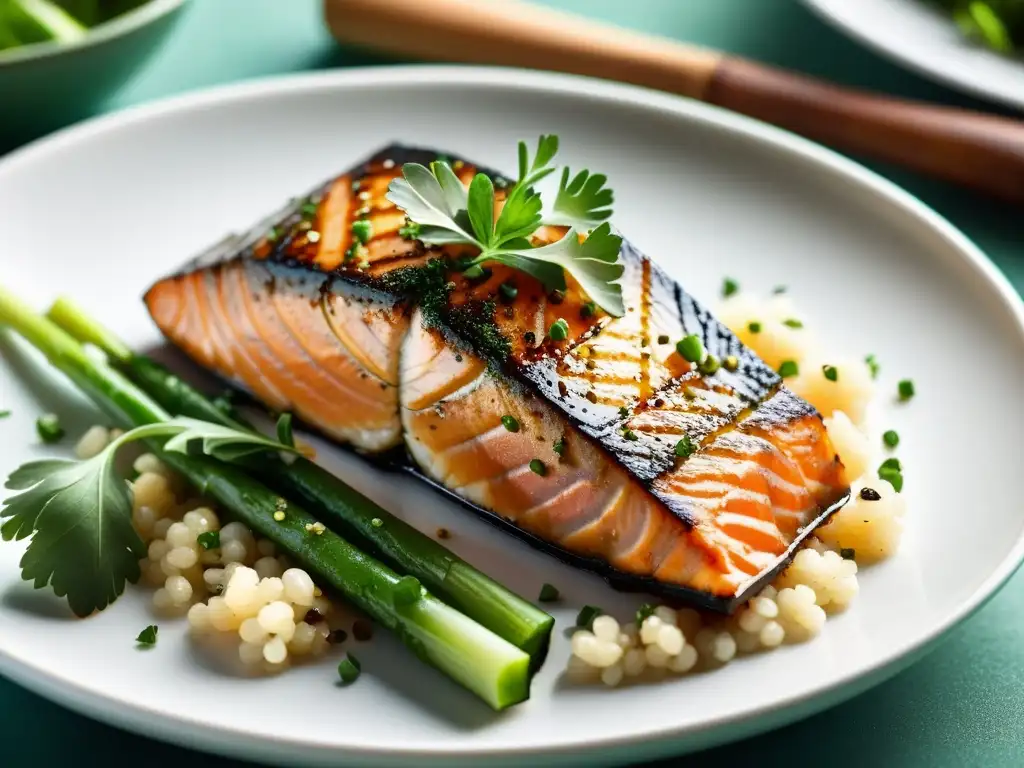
{"x":407,"y":549}
{"x":486,"y":664}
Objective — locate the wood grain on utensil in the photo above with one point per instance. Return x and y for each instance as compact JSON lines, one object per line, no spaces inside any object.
{"x":975,"y":150}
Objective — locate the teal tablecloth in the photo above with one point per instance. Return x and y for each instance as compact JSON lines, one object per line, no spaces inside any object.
{"x":962,"y":705}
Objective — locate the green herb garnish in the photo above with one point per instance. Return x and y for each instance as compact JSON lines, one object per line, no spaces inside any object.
{"x":643,"y":613}
{"x":49,"y":428}
{"x":729,"y":287}
{"x":891,"y":438}
{"x":830,"y":372}
{"x":538,"y":467}
{"x":147,"y":637}
{"x":754,"y":326}
{"x":589,"y":309}
{"x":78,"y":513}
{"x":508,"y":291}
{"x":788,"y":369}
{"x":709,"y":365}
{"x":873,"y":366}
{"x":585,"y":618}
{"x":848,"y":553}
{"x":362,"y":230}
{"x":559,"y":330}
{"x":685,"y":447}
{"x":892,"y":471}
{"x":559,"y":446}
{"x":349,"y":669}
{"x":209,"y":539}
{"x":690,"y":348}
{"x":623,"y":412}
{"x":548,"y":593}
{"x":4,"y":414}
{"x":511,"y":423}
{"x":630,"y":435}
{"x":449,"y":213}
{"x":792,"y":322}
{"x":906,"y":389}
{"x":779,"y":289}
{"x":409,"y":231}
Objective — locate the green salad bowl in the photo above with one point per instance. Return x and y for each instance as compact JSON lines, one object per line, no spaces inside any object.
{"x":47,"y":85}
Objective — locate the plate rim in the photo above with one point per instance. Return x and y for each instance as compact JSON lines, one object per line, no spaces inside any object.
{"x":123,"y":713}
{"x":949,"y":78}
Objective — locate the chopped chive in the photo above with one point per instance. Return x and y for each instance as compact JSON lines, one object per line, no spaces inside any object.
{"x":709,"y":366}
{"x":643,"y":613}
{"x":511,"y":423}
{"x":685,"y":447}
{"x":623,"y":411}
{"x":559,"y":446}
{"x":362,"y":230}
{"x":538,"y":467}
{"x":548,"y":593}
{"x":508,"y":291}
{"x":779,"y":289}
{"x":906,"y":389}
{"x":792,"y":322}
{"x":788,"y":369}
{"x":630,"y":435}
{"x":663,"y":339}
{"x":411,"y":231}
{"x":49,"y":428}
{"x":559,"y":330}
{"x":873,"y":366}
{"x":349,"y":669}
{"x":754,"y":326}
{"x":147,"y":637}
{"x":848,"y":553}
{"x":893,"y":477}
{"x":209,"y":539}
{"x":690,"y":348}
{"x":589,"y":309}
{"x":830,"y":372}
{"x":273,"y":234}
{"x":731,"y":363}
{"x":309,"y":209}
{"x":729,"y":287}
{"x":377,"y":522}
{"x":585,"y":618}
{"x":4,"y":414}
{"x":891,"y":438}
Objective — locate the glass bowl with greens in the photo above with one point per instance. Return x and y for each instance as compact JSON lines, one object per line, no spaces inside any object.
{"x":60,"y":59}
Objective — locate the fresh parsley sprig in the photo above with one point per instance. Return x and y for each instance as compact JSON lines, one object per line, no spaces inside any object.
{"x":78,"y":513}
{"x":447,"y":212}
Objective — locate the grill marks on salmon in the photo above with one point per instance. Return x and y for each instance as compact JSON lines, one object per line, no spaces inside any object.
{"x":308,"y":318}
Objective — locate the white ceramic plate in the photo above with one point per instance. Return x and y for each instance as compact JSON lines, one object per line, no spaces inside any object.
{"x":921,"y":37}
{"x":101,"y":210}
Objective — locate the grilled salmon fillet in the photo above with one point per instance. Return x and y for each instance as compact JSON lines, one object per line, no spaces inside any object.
{"x":606,"y":448}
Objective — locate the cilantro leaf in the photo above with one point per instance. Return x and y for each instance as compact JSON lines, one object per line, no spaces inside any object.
{"x":583,"y":202}
{"x":79,"y":513}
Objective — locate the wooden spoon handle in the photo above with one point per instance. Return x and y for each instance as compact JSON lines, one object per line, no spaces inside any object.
{"x":982,"y":152}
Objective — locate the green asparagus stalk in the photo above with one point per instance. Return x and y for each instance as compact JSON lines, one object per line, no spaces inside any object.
{"x":403,"y":546}
{"x":470,"y":654}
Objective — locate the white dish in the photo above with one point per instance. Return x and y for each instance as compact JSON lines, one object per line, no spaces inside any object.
{"x":100,"y":210}
{"x":923,"y":38}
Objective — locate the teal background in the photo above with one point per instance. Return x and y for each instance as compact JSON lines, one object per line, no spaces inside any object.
{"x":962,"y":705}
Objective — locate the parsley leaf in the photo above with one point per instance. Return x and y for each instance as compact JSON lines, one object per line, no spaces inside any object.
{"x":583,"y":202}
{"x":446,"y":212}
{"x":78,"y":513}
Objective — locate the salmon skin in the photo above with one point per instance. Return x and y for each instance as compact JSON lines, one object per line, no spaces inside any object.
{"x":607,"y":449}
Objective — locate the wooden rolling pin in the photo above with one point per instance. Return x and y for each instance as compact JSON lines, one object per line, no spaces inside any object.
{"x":979,"y":151}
